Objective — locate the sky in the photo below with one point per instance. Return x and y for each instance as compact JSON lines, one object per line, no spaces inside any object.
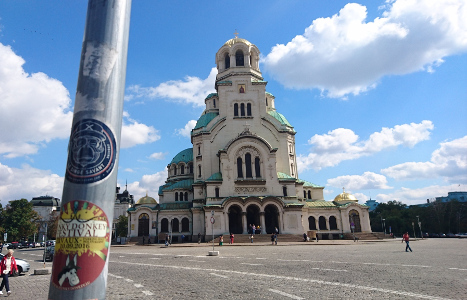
{"x":376,"y":90}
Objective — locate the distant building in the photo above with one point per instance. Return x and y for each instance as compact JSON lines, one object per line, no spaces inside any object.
{"x":123,"y":201}
{"x":47,"y":207}
{"x":372,"y":204}
{"x":458,"y":196}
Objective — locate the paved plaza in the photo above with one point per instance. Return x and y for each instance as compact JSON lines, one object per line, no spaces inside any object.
{"x":437,"y":269}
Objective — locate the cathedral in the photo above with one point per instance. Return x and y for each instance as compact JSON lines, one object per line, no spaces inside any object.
{"x":242,"y":169}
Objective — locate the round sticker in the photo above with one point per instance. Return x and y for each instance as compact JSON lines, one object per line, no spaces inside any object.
{"x":91,"y":152}
{"x":82,"y":245}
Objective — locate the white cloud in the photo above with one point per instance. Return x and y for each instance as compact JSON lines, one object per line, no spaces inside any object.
{"x":417,"y":196}
{"x":449,"y":161}
{"x":129,"y":170}
{"x":192,"y":90}
{"x":136,"y":133}
{"x":34,"y":108}
{"x":345,"y":54}
{"x":341,"y":144}
{"x":367,"y":181}
{"x":28,"y":182}
{"x":158,"y":155}
{"x":186,"y":131}
{"x":149,"y":185}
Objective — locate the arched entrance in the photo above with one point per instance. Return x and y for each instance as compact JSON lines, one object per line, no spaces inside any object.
{"x":271,"y":218}
{"x":354,"y":218}
{"x":143,"y":225}
{"x":235,"y":219}
{"x":252,"y":215}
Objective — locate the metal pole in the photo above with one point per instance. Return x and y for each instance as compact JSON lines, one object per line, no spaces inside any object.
{"x":413,"y":227}
{"x":45,"y":242}
{"x":84,"y":232}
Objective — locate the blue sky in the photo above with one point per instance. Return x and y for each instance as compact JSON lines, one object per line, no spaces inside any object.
{"x":376,"y":90}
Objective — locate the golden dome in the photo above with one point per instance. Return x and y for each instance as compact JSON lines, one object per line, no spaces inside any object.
{"x":235,"y":40}
{"x":146,"y":200}
{"x":345,"y":197}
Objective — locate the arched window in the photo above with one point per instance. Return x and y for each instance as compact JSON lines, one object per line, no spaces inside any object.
{"x":182,"y":169}
{"x":239,"y":168}
{"x":322,"y":223}
{"x":186,"y":196}
{"x":332,"y":223}
{"x":311,"y":223}
{"x":236,"y":110}
{"x":176,"y":196}
{"x":164,"y":225}
{"x":227,"y":60}
{"x":181,"y":196}
{"x":242,"y":109}
{"x":304,"y":194}
{"x":249,"y":173}
{"x":175,"y":170}
{"x":284,"y":191}
{"x":257,"y":168}
{"x":248,"y":109}
{"x":199,"y":150}
{"x":214,"y":102}
{"x":239,"y":58}
{"x":309,"y":194}
{"x":266,"y":101}
{"x":191,"y":168}
{"x":217,"y":192}
{"x":291,"y":168}
{"x":175,"y":225}
{"x":185,"y":225}
{"x":199,"y":171}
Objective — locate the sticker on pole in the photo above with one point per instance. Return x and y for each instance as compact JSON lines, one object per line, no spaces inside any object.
{"x":82,"y":245}
{"x":91,"y":152}
{"x":213,"y":220}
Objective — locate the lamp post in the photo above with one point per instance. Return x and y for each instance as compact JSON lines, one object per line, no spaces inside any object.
{"x":420,"y":226}
{"x":384,"y":226}
{"x":413,"y":227}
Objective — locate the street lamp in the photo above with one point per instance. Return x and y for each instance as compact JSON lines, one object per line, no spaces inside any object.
{"x":420,"y":226}
{"x":413,"y":227}
{"x":384,"y":226}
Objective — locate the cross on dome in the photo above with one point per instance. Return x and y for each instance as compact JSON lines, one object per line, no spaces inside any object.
{"x":236,"y":34}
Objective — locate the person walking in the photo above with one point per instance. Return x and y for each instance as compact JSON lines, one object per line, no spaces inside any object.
{"x":221,"y":240}
{"x":272,"y":238}
{"x":143,"y":239}
{"x":275,"y":239}
{"x":231,"y":238}
{"x":406,"y":238}
{"x":252,"y":236}
{"x":305,"y":237}
{"x":167,"y":240}
{"x":199,"y":238}
{"x":7,"y":266}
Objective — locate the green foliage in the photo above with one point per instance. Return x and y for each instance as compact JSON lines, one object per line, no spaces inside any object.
{"x":437,"y":217}
{"x":20,"y":220}
{"x":122,"y":226}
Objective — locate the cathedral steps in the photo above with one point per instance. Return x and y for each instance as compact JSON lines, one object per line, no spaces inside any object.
{"x":367,"y":236}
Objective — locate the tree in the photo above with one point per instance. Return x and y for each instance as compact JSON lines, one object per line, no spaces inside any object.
{"x":122,"y":226}
{"x":20,"y":220}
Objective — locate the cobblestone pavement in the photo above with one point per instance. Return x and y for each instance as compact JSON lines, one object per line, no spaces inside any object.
{"x":437,"y":269}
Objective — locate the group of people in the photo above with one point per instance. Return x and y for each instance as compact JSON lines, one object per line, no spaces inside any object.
{"x":231,"y":239}
{"x":252,"y":229}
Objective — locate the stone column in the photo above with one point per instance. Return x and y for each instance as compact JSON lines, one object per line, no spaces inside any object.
{"x":327,"y":224}
{"x":246,"y":60}
{"x":244,"y":222}
{"x":262,"y":222}
{"x":232,"y":60}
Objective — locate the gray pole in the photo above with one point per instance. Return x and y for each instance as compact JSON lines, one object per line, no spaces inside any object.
{"x":82,"y":247}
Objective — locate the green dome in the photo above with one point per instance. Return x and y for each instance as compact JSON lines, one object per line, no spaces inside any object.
{"x":279,"y":117}
{"x":183,"y":156}
{"x":205,"y":119}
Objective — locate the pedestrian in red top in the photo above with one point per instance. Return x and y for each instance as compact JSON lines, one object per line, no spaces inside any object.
{"x":406,"y":238}
{"x":231,"y":238}
{"x":7,"y":266}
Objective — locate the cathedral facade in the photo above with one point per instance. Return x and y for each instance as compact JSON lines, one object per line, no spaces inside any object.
{"x":242,"y":168}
